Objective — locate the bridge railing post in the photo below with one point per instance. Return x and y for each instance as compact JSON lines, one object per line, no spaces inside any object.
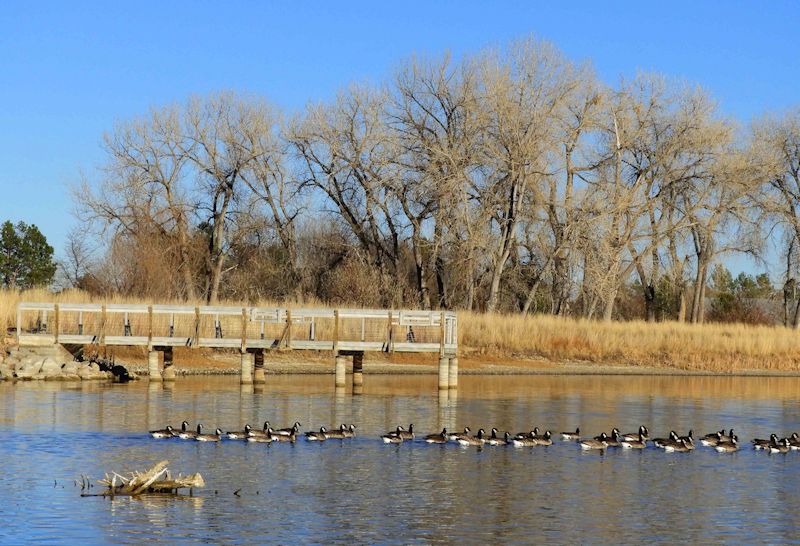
{"x":56,"y":324}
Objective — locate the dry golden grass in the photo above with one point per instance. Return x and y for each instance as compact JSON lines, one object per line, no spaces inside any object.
{"x":721,"y":348}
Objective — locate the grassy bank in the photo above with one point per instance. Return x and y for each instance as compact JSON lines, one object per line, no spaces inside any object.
{"x":543,"y":340}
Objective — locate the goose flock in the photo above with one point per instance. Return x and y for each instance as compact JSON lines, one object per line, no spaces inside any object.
{"x":722,"y":441}
{"x":267,"y":434}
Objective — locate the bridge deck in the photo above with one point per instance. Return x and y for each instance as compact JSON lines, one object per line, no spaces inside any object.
{"x":244,"y":328}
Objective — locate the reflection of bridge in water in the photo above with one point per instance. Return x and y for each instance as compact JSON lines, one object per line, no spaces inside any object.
{"x":251,"y":330}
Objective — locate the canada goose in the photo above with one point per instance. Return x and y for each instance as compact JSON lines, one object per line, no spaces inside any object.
{"x":210,"y":437}
{"x":595,"y":443}
{"x":532,"y":434}
{"x":282,"y":438}
{"x":545,"y":439}
{"x":191,"y":435}
{"x":572,"y":435}
{"x":440,"y":438}
{"x":728,"y":447}
{"x":614,"y":431}
{"x":781,"y":446}
{"x":397,"y":433}
{"x":392,"y":438}
{"x":726,"y":437}
{"x":261,"y":437}
{"x":339,"y":433}
{"x":636,"y":436}
{"x":525,"y":441}
{"x":613,"y":441}
{"x":407,"y":434}
{"x":456,"y":435}
{"x":241,"y":434}
{"x":163,"y":433}
{"x":263,"y":433}
{"x":764,"y":444}
{"x":689,"y":439}
{"x":477,"y":440}
{"x":493,"y":440}
{"x":640,"y":443}
{"x":677,"y":447}
{"x":184,"y":428}
{"x":677,"y":443}
{"x":663,"y":442}
{"x":288,"y":431}
{"x":350,"y":432}
{"x":712,"y":438}
{"x":794,"y":441}
{"x":317,"y":436}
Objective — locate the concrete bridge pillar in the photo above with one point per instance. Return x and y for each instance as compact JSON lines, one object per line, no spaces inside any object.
{"x":358,"y":370}
{"x":444,"y":372}
{"x":247,"y":368}
{"x":453,"y":373}
{"x":341,"y":374}
{"x":153,"y":367}
{"x":258,"y":368}
{"x":169,"y":372}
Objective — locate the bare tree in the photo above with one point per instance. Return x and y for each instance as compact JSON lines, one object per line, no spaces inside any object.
{"x":435,"y":116}
{"x":775,"y":150}
{"x":145,"y":185}
{"x":347,"y":154}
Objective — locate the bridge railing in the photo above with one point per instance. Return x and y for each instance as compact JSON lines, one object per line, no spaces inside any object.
{"x":238,"y":327}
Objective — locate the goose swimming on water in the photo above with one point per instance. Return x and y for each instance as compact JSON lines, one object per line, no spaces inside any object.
{"x":191,"y":435}
{"x":216,"y":437}
{"x":440,"y":438}
{"x":240,"y":435}
{"x":163,"y":433}
{"x":572,"y":435}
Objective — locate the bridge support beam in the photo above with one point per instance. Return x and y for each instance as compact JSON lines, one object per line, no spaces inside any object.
{"x":169,"y":372}
{"x":153,"y":367}
{"x":444,"y":372}
{"x":258,"y":368}
{"x":358,"y":370}
{"x":453,"y":373}
{"x":247,"y":368}
{"x":341,"y":374}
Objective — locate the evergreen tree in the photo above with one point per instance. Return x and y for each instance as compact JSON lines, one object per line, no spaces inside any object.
{"x":26,"y":259}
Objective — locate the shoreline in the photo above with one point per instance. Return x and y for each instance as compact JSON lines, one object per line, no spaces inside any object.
{"x":489,"y":371}
{"x":472,"y":362}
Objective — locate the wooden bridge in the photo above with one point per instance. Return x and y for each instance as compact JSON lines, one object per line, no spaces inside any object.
{"x":251,"y":330}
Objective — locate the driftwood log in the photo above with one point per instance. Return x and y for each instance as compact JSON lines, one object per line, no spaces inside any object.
{"x":155,"y":480}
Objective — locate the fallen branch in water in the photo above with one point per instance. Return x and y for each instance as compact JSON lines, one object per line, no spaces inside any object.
{"x":155,"y":480}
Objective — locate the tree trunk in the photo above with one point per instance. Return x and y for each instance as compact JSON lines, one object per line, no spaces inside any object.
{"x":697,"y":296}
{"x":608,"y":309}
{"x":216,"y":252}
{"x":650,"y":302}
{"x":494,"y":287}
{"x":438,"y":264}
{"x":681,"y":304}
{"x":186,"y":266}
{"x":419,"y":263}
{"x":796,"y":319}
{"x":531,"y":295}
{"x":701,"y":311}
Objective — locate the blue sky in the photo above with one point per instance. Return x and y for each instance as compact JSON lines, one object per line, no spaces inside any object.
{"x":68,"y":72}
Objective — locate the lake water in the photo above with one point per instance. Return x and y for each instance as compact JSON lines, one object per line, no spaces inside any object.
{"x":363,"y":491}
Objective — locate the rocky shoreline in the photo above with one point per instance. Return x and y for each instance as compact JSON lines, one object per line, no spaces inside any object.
{"x":22,"y":364}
